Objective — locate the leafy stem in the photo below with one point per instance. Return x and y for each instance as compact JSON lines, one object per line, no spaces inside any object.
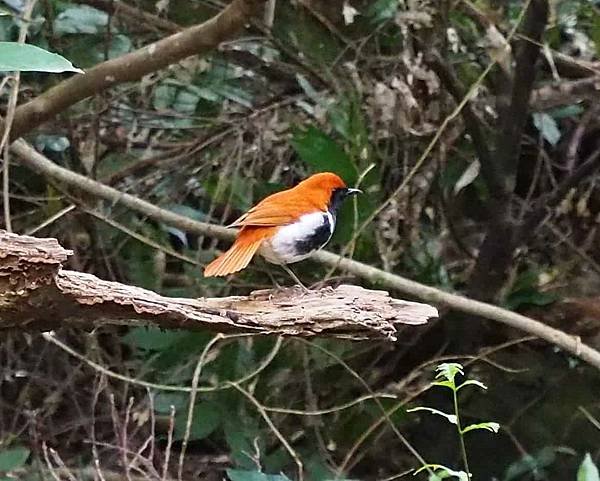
{"x":446,"y":377}
{"x":461,"y":433}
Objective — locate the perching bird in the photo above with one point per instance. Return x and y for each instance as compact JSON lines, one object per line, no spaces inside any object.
{"x":287,"y":226}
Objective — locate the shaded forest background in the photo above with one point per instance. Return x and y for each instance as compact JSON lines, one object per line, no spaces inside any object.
{"x":473,"y":129}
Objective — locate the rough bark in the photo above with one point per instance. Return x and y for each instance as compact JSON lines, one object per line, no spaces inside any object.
{"x":37,"y":294}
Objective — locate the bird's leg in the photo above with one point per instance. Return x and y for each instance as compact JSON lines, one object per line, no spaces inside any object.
{"x":273,"y":280}
{"x":295,"y":277}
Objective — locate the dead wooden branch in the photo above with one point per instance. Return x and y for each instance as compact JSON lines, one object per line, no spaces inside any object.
{"x":36,"y":293}
{"x":565,"y":92}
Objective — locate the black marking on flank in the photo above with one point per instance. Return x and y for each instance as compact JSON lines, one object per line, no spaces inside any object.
{"x":317,"y":239}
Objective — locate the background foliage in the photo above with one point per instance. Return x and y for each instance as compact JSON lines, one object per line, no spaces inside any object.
{"x":344,"y":86}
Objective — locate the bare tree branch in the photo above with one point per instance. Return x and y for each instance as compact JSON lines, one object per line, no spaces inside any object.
{"x":542,"y":206}
{"x":133,"y":66}
{"x":35,"y":293}
{"x":565,"y":93}
{"x":133,"y":15}
{"x":474,"y":124}
{"x":37,"y":162}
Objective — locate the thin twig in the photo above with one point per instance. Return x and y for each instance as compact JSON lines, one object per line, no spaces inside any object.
{"x":271,"y":425}
{"x":541,"y":208}
{"x":442,"y":128}
{"x":192,"y":400}
{"x":165,"y":470}
{"x":10,"y":116}
{"x":589,"y":417}
{"x":141,"y":238}
{"x":50,"y":337}
{"x":413,"y":375}
{"x":357,"y":376}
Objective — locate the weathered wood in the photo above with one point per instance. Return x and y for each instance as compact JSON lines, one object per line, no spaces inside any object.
{"x":37,"y":294}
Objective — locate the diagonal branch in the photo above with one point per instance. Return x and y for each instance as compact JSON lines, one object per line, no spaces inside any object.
{"x":473,"y":123}
{"x":133,"y":15}
{"x":31,"y":276}
{"x":195,"y":40}
{"x":37,"y":162}
{"x":542,"y":206}
{"x":566,"y":92}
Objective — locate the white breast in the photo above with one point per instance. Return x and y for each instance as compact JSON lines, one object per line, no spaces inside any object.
{"x":282,"y":247}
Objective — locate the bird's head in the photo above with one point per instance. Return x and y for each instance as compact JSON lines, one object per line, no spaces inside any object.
{"x":329,"y":188}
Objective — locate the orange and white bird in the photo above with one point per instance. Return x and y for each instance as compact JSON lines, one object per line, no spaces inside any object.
{"x":287,"y":226}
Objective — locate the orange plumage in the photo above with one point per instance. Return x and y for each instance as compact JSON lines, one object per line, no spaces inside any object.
{"x":261,"y":227}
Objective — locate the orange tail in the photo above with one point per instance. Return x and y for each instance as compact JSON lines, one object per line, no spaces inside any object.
{"x":239,"y":254}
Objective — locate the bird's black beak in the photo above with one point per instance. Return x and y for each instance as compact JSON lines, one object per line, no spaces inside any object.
{"x":350,"y":192}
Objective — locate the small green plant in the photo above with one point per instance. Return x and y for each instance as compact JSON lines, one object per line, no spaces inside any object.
{"x":588,"y":471}
{"x":446,"y":377}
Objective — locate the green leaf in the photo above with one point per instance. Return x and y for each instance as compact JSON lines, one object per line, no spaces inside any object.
{"x":239,"y":475}
{"x":185,"y":102}
{"x":490,"y":426}
{"x":80,"y":19}
{"x":119,"y":45}
{"x":526,"y":280}
{"x":187,"y":211}
{"x":529,"y":297}
{"x":207,"y":418}
{"x":164,"y":400}
{"x":472,"y":382}
{"x":13,"y":458}
{"x":449,"y":370}
{"x":382,"y":10}
{"x":309,"y":90}
{"x":595,"y":30}
{"x":23,"y":57}
{"x":323,"y":154}
{"x":55,"y":143}
{"x":532,"y":464}
{"x":152,"y":338}
{"x":164,"y":96}
{"x":442,"y":472}
{"x":547,"y":127}
{"x":234,"y":93}
{"x":448,"y":384}
{"x":587,"y":470}
{"x":567,"y":111}
{"x":450,"y":417}
{"x":243,"y":436}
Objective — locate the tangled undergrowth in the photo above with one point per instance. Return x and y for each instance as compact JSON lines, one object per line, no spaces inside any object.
{"x":352,"y":87}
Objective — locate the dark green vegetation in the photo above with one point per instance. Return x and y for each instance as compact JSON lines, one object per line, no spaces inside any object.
{"x":500,"y":201}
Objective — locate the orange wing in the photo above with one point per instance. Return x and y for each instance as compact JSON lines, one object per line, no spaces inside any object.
{"x":259,"y":223}
{"x":240,"y":253}
{"x":278,"y":209}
